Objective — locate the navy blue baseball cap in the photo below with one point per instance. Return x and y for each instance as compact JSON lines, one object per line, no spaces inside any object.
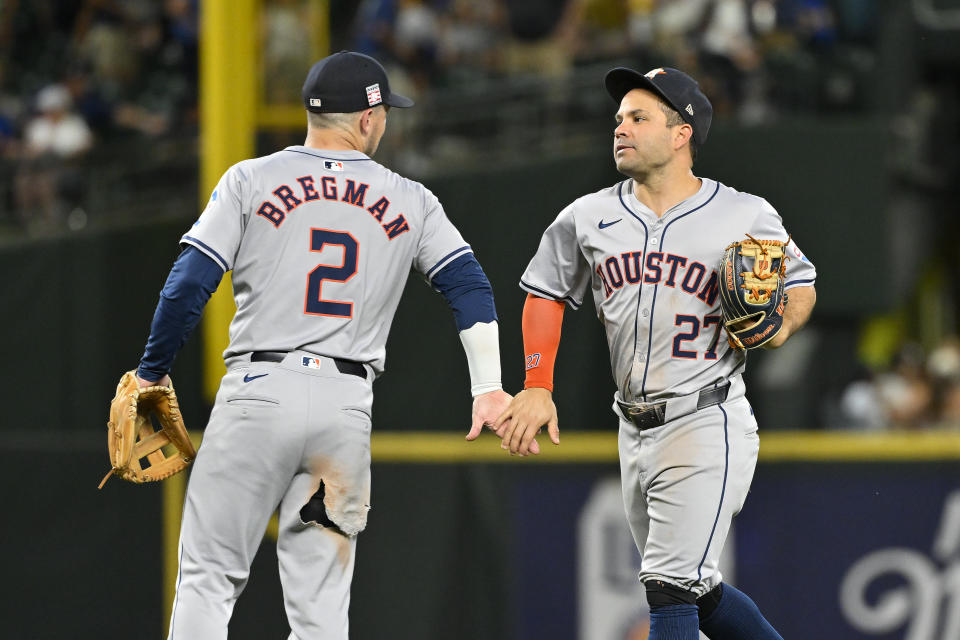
{"x":677,"y":89}
{"x":346,"y":82}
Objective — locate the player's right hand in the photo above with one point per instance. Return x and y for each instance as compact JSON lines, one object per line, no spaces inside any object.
{"x":486,"y":408}
{"x":528,"y":412}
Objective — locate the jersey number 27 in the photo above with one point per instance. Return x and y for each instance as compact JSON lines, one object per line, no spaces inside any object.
{"x":315,"y":304}
{"x":679,"y":348}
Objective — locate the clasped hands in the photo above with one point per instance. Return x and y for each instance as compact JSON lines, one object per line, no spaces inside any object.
{"x":516,"y":420}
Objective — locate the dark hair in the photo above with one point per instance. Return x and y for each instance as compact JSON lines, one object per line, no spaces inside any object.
{"x":675,"y":119}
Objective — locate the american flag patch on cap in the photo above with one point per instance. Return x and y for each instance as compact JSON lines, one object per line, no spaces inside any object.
{"x":373,"y":95}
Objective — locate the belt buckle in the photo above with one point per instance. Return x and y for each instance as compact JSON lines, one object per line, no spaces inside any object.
{"x":647,"y":415}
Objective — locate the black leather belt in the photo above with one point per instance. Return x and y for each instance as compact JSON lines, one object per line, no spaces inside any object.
{"x":653,"y":414}
{"x":343,"y":366}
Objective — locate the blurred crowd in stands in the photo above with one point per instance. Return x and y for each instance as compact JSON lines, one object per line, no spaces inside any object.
{"x":76,"y":76}
{"x":917,"y":391}
{"x":740,"y":49}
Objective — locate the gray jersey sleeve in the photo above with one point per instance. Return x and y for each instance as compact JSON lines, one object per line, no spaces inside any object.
{"x":559,"y":270}
{"x":800,"y":271}
{"x":219,"y":229}
{"x":440,"y":243}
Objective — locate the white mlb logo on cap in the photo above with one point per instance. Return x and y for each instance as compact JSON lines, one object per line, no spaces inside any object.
{"x":314,"y":102}
{"x":373,"y":95}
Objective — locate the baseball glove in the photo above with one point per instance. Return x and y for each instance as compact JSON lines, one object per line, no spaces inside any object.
{"x":751,"y":292}
{"x":131,"y":438}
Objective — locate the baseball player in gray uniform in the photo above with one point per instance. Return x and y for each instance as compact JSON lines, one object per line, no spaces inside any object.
{"x":649,"y":248}
{"x":320,"y":239}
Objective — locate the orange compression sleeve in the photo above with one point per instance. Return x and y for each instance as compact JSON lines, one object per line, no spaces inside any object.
{"x":542,"y":319}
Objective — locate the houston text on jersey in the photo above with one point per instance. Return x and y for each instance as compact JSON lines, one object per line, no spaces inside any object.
{"x":626,"y":268}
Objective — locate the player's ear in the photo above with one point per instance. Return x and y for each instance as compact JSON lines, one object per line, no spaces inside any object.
{"x":682,"y":135}
{"x":366,"y":121}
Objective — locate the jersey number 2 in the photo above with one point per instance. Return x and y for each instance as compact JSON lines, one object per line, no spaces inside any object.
{"x":315,"y":304}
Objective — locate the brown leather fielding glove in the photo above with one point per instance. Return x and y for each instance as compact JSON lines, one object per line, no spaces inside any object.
{"x":131,"y":436}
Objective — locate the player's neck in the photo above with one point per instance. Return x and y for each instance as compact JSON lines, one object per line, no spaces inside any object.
{"x":662,"y":192}
{"x":332,"y":140}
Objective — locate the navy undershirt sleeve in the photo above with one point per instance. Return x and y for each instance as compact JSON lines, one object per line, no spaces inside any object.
{"x":192,"y":280}
{"x":465,"y":287}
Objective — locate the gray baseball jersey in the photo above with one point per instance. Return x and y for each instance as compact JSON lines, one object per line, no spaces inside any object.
{"x":655,"y":289}
{"x":654,"y":280}
{"x":321,"y":244}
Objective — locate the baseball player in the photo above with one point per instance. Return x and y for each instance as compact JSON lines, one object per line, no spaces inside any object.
{"x":320,"y":239}
{"x":649,"y":248}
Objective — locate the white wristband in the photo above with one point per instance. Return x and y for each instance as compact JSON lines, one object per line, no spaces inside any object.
{"x":481,"y":343}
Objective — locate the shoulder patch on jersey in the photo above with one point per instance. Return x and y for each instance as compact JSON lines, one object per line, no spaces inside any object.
{"x":798,"y":253}
{"x":333,"y":165}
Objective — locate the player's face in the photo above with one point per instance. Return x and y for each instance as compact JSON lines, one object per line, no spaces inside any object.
{"x":642,"y":141}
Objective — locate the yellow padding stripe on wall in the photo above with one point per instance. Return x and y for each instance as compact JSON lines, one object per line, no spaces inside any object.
{"x":832,"y":446}
{"x":586,"y":447}
{"x":444,"y":448}
{"x":580,"y":447}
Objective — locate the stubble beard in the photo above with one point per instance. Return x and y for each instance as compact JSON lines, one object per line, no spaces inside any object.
{"x":640,"y":169}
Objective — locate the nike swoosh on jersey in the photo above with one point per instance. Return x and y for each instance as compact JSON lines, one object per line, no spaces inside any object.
{"x":604,"y":225}
{"x":250,"y":378}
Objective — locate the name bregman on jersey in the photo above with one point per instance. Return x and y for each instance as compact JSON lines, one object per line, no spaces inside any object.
{"x":670,"y":269}
{"x":329,"y":189}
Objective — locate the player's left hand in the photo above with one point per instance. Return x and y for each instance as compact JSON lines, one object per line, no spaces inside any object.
{"x":486,"y":408}
{"x":162,"y":382}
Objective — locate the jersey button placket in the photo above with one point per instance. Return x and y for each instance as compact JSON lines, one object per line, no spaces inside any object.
{"x":640,"y":354}
{"x":643,"y":324}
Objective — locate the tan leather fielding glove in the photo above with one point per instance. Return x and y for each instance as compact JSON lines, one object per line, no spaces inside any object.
{"x":131,"y":437}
